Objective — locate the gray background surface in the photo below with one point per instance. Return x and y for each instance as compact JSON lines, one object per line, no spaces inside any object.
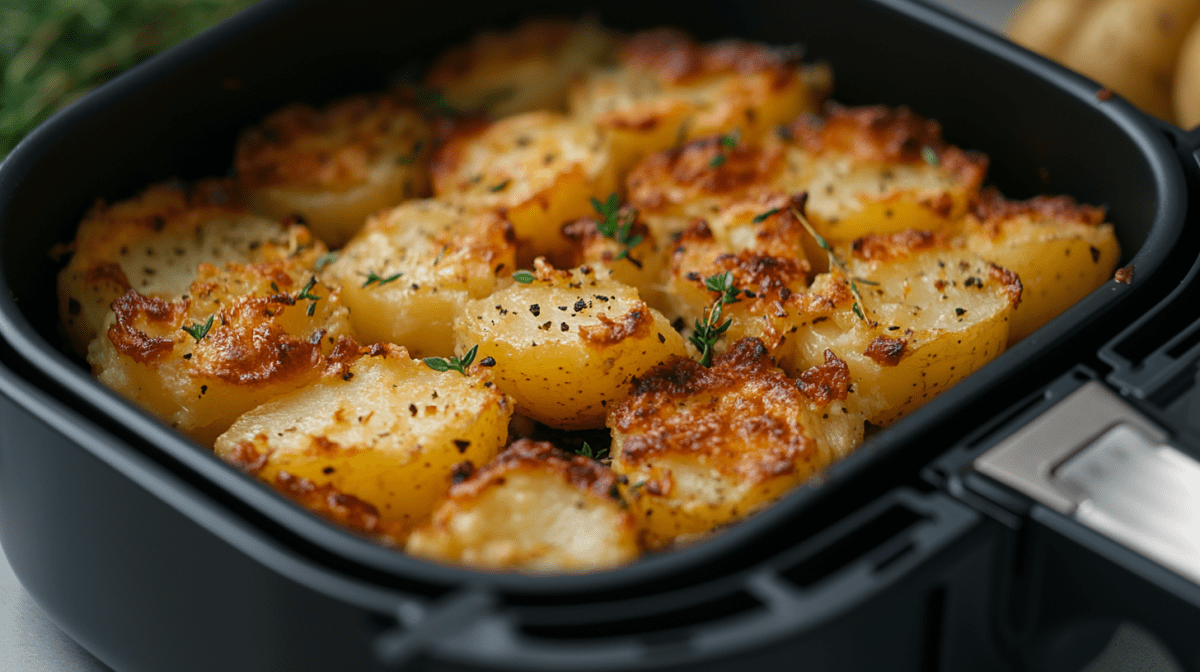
{"x":31,"y":642}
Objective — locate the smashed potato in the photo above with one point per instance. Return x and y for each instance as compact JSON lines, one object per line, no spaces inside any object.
{"x":534,"y":508}
{"x":566,"y":345}
{"x":411,"y":270}
{"x":336,"y":165}
{"x":241,"y":336}
{"x":540,"y":168}
{"x":702,"y":447}
{"x":380,"y":427}
{"x":153,"y":242}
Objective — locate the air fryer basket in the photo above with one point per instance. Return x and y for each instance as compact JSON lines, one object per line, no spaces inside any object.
{"x":155,"y":555}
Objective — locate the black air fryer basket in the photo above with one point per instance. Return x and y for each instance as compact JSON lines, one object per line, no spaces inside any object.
{"x":964,"y":537}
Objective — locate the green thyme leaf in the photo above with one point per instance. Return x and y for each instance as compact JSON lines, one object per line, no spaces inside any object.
{"x":199,"y":331}
{"x":523,"y":277}
{"x":717,"y":161}
{"x":324,"y":261}
{"x":454,"y":363}
{"x":499,"y":187}
{"x":930,"y":156}
{"x":374,"y":278}
{"x":763,"y":216}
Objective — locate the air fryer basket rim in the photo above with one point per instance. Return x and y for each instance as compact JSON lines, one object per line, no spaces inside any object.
{"x":71,"y":382}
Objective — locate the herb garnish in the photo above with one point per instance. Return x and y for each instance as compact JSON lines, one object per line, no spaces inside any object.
{"x":306,"y":294}
{"x":199,"y":331}
{"x":728,"y":141}
{"x":706,"y":334}
{"x":325,"y":260}
{"x":460,"y":365}
{"x":762,"y":216}
{"x":523,"y":277}
{"x":499,"y":187}
{"x":374,"y":278}
{"x":930,"y":156}
{"x":617,"y":224}
{"x":439,"y":257}
{"x":834,"y":260}
{"x":587,"y":451}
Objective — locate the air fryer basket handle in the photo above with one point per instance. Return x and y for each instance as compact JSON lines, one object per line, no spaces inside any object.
{"x":1115,"y":532}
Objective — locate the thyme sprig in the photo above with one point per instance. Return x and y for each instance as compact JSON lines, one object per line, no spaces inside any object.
{"x":325,"y":260}
{"x":199,"y":331}
{"x":374,"y":278}
{"x":834,"y":260}
{"x":307,"y":295}
{"x":706,"y":333}
{"x":586,"y":450}
{"x":460,"y":365}
{"x":617,"y":224}
{"x":725,"y":142}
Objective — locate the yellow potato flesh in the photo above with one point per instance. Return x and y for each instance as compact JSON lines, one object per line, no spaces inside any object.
{"x":390,"y":434}
{"x":567,"y":345}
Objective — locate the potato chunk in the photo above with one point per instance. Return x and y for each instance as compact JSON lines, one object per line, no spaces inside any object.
{"x":932,"y":314}
{"x":567,"y":344}
{"x":241,"y":336}
{"x":878,"y":170}
{"x":534,"y":508}
{"x":412,"y":269}
{"x":525,"y":69}
{"x":638,"y":264}
{"x":667,"y":88}
{"x":153,"y":243}
{"x":702,"y":447}
{"x":381,"y":427}
{"x":541,"y":168}
{"x":760,"y":242}
{"x":335,"y":165}
{"x":1061,"y":251}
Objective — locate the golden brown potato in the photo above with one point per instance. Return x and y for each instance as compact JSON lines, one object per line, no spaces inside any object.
{"x":153,"y":243}
{"x":758,"y":241}
{"x":525,"y":69}
{"x":411,"y":270}
{"x":567,"y":344}
{"x":701,"y":179}
{"x":632,"y":255}
{"x":667,"y":88}
{"x":1131,"y":47}
{"x":380,"y":427}
{"x":934,"y":314}
{"x":540,"y":168}
{"x":241,"y":336}
{"x":877,"y":170}
{"x":534,"y":508}
{"x":336,"y":165}
{"x":701,"y":447}
{"x":1060,"y":250}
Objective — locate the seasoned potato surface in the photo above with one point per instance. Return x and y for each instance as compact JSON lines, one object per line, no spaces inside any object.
{"x":153,"y":243}
{"x":535,"y":508}
{"x":1059,"y":249}
{"x":381,"y":427}
{"x":540,"y":168}
{"x":335,"y":165}
{"x":567,"y":344}
{"x":522,"y":70}
{"x":412,"y":269}
{"x":701,"y":447}
{"x":240,"y":336}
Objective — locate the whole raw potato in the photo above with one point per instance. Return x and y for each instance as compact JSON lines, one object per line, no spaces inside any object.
{"x":1046,"y":26}
{"x":1187,"y":80}
{"x":1131,"y":47}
